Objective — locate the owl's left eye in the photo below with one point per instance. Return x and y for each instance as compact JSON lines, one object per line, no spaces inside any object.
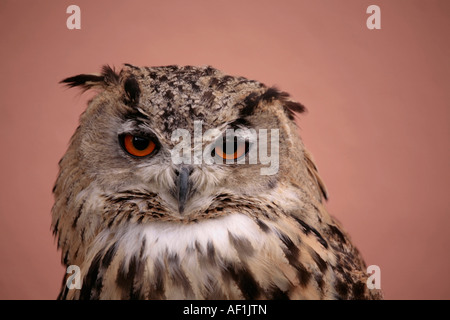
{"x":231,"y":150}
{"x":137,"y":146}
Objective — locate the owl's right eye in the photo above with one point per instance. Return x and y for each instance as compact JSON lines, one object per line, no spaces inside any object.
{"x":137,"y":146}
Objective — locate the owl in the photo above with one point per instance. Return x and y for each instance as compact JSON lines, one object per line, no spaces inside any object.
{"x":182,"y":182}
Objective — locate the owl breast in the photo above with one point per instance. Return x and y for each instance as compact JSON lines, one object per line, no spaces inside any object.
{"x":231,"y":257}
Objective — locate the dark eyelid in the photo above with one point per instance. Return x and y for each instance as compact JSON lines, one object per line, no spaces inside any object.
{"x":239,"y":124}
{"x":139,"y":129}
{"x":142,"y":134}
{"x":135,"y":115}
{"x":233,"y":139}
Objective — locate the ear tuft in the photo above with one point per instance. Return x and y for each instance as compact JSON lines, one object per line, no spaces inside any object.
{"x":110,"y":76}
{"x":85,"y":81}
{"x":132,"y":91}
{"x":88,"y":81}
{"x":292,"y":107}
{"x":274,"y":93}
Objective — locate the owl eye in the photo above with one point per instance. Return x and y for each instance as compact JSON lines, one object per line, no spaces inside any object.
{"x":231,"y":150}
{"x":138,"y":146}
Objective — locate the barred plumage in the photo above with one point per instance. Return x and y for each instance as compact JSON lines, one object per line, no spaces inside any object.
{"x":237,"y":235}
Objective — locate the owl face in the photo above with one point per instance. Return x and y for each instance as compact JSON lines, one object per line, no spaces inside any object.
{"x":187,"y":139}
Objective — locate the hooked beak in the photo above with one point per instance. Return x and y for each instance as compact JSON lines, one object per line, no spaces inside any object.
{"x":183,"y":187}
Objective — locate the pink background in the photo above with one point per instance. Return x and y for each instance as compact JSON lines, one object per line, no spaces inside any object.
{"x":378,"y":123}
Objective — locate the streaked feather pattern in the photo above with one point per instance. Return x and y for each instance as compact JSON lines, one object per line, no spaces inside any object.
{"x":242,"y":235}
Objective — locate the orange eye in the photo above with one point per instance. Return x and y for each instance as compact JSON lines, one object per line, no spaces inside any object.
{"x":231,"y":150}
{"x":138,"y":146}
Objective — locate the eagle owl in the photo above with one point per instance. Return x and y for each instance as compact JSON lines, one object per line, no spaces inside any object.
{"x":143,"y":224}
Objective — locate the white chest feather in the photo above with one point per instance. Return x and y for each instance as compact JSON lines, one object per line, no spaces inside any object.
{"x":230,"y":257}
{"x":163,"y":238}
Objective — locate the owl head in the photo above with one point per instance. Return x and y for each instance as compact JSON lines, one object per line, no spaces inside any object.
{"x":179,"y":144}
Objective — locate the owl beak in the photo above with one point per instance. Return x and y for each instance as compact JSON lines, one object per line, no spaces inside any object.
{"x":184,"y":187}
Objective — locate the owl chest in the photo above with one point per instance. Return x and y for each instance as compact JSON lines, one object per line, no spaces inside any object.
{"x":227,"y":258}
{"x":202,"y":260}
